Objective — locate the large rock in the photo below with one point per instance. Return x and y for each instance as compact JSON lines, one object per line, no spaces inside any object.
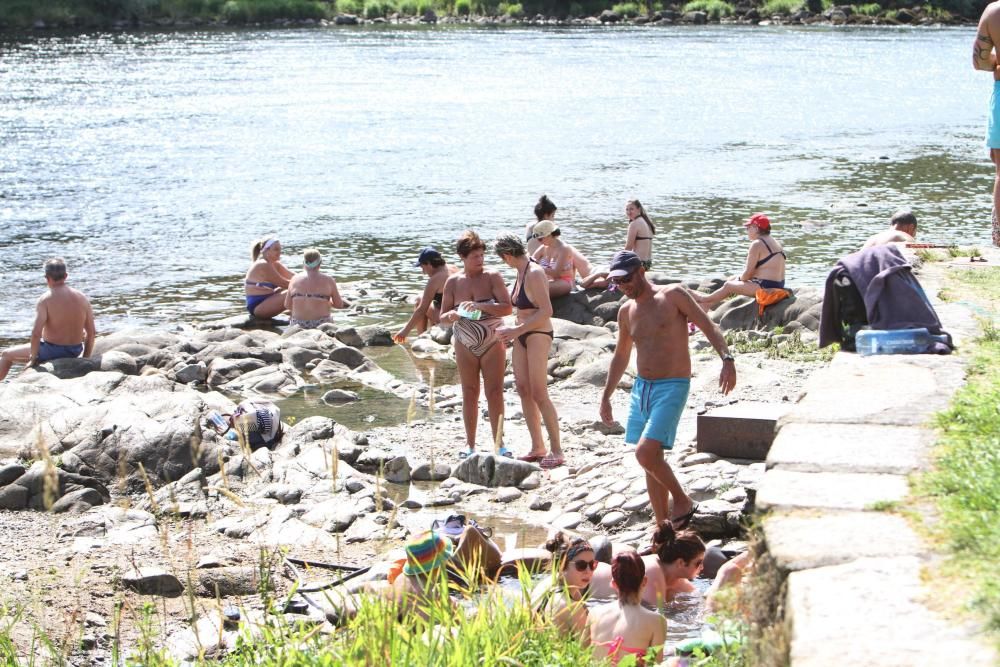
{"x":375,"y":334}
{"x":740,"y":312}
{"x":280,"y":380}
{"x":492,"y":470}
{"x":222,"y":371}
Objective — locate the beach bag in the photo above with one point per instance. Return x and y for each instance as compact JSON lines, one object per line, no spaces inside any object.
{"x":259,"y":420}
{"x":851,"y":313}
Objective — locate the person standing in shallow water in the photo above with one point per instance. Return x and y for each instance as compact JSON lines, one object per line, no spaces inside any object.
{"x":532,"y":340}
{"x":482,"y":298}
{"x":984,"y":57}
{"x":655,"y":320}
{"x":64,"y":324}
{"x":311,"y":294}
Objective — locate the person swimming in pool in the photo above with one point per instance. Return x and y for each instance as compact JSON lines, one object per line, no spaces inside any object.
{"x":64,"y":324}
{"x":427,"y":310}
{"x":266,"y":280}
{"x":655,"y":319}
{"x":765,"y":266}
{"x":312,"y":293}
{"x":532,"y":340}
{"x":473,"y":302}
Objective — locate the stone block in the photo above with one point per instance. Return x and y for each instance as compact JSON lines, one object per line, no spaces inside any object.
{"x":874,"y":612}
{"x":781,"y":489}
{"x":896,"y":450}
{"x":741,"y":430}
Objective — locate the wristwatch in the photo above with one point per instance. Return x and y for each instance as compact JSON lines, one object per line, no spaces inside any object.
{"x":728,"y":357}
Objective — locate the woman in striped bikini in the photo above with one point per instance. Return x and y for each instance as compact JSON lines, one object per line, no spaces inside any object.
{"x":474,"y":300}
{"x":311,"y":294}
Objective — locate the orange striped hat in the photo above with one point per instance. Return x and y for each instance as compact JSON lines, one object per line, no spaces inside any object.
{"x":426,"y":553}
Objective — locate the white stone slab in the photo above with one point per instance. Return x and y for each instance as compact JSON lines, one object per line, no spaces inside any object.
{"x":851,"y":448}
{"x":782,"y":489}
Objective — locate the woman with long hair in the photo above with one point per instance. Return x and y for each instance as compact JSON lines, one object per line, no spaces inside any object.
{"x":626,"y":627}
{"x":561,"y":598}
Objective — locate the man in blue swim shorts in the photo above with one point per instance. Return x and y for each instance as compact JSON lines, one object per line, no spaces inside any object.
{"x":64,"y":324}
{"x":984,"y":58}
{"x":655,"y":320}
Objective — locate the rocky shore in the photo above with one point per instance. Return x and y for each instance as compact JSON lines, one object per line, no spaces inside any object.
{"x":145,"y":499}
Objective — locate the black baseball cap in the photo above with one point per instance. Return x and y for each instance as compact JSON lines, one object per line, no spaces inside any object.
{"x":623,"y":263}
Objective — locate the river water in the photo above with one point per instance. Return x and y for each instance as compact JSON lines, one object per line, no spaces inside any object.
{"x":151,"y":160}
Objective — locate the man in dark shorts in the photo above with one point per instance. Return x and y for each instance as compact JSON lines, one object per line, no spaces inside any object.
{"x":656,"y":321}
{"x":984,"y":58}
{"x":64,"y":324}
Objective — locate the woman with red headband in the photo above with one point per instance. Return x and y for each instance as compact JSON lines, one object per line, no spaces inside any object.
{"x":765,"y":267}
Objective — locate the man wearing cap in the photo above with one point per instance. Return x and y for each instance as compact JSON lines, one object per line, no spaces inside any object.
{"x":64,"y":324}
{"x":765,"y":265}
{"x":902,"y":228}
{"x":427,"y":310}
{"x":656,"y":321}
{"x":984,"y":57}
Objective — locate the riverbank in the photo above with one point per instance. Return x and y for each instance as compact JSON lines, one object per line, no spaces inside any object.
{"x":171,"y":14}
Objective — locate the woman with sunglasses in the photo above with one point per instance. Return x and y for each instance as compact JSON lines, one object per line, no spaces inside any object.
{"x":626,"y":627}
{"x":672,"y":561}
{"x":561,"y":261}
{"x":562,"y":596}
{"x":266,"y":280}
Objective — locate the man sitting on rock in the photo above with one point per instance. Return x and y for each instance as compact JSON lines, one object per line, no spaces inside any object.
{"x":64,"y":324}
{"x":902,"y":227}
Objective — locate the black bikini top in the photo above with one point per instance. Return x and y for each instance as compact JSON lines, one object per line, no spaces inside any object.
{"x":517,"y":296}
{"x":768,"y":258}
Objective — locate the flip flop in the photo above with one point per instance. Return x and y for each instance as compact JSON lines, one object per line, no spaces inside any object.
{"x":550,"y":462}
{"x":682,"y":522}
{"x":466,"y":453}
{"x":503,"y":451}
{"x":531,"y":458}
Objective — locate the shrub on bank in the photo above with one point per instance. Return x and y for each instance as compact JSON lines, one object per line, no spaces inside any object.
{"x":263,"y":11}
{"x":515,"y":10}
{"x":772,"y":7}
{"x":378,"y":9}
{"x":716,"y":9}
{"x":354,"y":7}
{"x":463,"y":7}
{"x":627,"y":9}
{"x":869,"y":9}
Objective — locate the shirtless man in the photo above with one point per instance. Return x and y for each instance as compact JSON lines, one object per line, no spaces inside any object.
{"x":64,"y":324}
{"x":984,"y":58}
{"x":903,"y":227}
{"x":656,"y":320}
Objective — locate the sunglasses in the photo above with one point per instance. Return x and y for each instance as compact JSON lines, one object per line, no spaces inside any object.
{"x":584,"y":565}
{"x":623,"y":280}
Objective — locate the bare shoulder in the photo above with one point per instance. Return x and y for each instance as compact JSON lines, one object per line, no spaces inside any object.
{"x":674,"y":294}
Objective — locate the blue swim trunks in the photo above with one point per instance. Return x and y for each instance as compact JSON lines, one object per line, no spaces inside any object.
{"x":48,"y":351}
{"x":993,"y":128}
{"x":656,"y":409}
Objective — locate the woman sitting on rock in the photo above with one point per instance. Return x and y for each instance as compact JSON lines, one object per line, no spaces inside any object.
{"x":544,"y":210}
{"x":266,"y":280}
{"x":638,"y":239}
{"x":765,"y":266}
{"x":474,"y":301}
{"x":427,"y":310}
{"x":561,"y":261}
{"x":311,"y":293}
{"x":626,"y":627}
{"x":532,"y":340}
{"x":673,"y":560}
{"x":561,"y":598}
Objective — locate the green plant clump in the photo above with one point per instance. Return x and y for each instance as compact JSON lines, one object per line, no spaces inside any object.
{"x":868,"y":9}
{"x":262,"y":11}
{"x":772,"y":7}
{"x":627,"y":9}
{"x":463,"y":7}
{"x":378,"y":9}
{"x":716,"y":9}
{"x":513,"y":9}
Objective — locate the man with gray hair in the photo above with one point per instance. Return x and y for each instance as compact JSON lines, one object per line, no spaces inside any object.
{"x":64,"y":324}
{"x":902,"y":228}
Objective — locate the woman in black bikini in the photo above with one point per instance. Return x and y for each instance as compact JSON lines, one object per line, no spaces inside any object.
{"x":765,"y":267}
{"x":532,"y":340}
{"x":427,"y":310}
{"x":638,"y":239}
{"x":266,"y":280}
{"x":474,"y":301}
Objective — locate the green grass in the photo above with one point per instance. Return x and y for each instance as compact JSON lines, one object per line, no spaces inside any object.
{"x":965,"y":482}
{"x":463,"y":7}
{"x":378,"y":8}
{"x":869,"y":9}
{"x":792,"y":348}
{"x":772,"y":7}
{"x":627,"y":9}
{"x":716,"y":9}
{"x":514,"y":10}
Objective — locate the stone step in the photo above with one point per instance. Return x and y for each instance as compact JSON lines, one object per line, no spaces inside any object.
{"x":742,"y":430}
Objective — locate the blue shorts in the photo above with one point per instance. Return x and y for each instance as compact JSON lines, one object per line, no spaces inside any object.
{"x":656,"y":410}
{"x":48,"y":351}
{"x":254,"y":300}
{"x":993,"y":128}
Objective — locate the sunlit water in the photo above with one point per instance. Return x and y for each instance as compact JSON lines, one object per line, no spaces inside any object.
{"x":151,"y":160}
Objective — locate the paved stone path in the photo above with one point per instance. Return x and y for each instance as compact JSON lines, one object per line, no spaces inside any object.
{"x":856,"y":591}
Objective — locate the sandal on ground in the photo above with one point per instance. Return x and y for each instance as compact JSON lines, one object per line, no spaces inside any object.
{"x":466,"y":453}
{"x":550,"y":462}
{"x":503,"y":451}
{"x":683,"y":521}
{"x":531,"y":458}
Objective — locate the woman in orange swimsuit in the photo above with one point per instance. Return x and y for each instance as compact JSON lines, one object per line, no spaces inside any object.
{"x":532,"y":340}
{"x":560,"y":261}
{"x":473,"y":303}
{"x":626,"y":627}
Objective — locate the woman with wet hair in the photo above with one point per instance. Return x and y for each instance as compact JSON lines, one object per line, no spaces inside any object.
{"x":473,"y":302}
{"x":266,"y":279}
{"x":562,"y":597}
{"x":626,"y":627}
{"x":532,"y":341}
{"x":672,"y":561}
{"x":544,"y":210}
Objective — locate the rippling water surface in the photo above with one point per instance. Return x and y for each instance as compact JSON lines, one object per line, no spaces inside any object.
{"x":151,"y":160}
